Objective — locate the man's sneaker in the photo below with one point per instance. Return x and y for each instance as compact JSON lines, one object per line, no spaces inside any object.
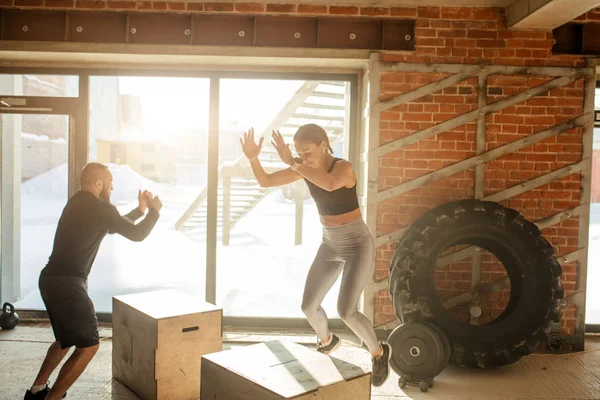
{"x":335,"y":343}
{"x":380,"y":365}
{"x":39,"y":395}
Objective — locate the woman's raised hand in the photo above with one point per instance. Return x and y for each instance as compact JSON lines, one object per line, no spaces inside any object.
{"x":250,"y":148}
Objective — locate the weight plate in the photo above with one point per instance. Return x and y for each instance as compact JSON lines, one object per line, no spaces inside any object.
{"x":417,"y":350}
{"x":445,"y":342}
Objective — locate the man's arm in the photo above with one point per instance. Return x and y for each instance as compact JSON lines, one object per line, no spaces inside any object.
{"x":136,"y":232}
{"x":134,"y":214}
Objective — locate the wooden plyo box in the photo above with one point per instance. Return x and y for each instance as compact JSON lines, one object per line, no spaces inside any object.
{"x":279,"y":370}
{"x":159,"y":338}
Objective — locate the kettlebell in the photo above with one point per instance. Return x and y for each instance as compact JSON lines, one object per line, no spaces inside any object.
{"x":9,"y":318}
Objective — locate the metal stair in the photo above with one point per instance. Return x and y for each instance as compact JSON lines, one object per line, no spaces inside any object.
{"x":323,"y":103}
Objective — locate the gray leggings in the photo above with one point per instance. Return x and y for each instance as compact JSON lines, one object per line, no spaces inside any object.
{"x":349,"y":248}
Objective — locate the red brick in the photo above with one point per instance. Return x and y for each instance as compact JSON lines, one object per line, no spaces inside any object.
{"x":343,"y":10}
{"x":195,"y":6}
{"x":437,"y":42}
{"x":218,"y":7}
{"x":310,"y":9}
{"x":122,"y":5}
{"x":451,"y":33}
{"x":145,"y":5}
{"x":423,"y":32}
{"x":537,"y":44}
{"x":486,"y":14}
{"x":482,"y":34}
{"x":403,"y":12}
{"x":506,"y":53}
{"x":459,"y":99}
{"x":459,"y":52}
{"x":282,"y":8}
{"x":428,"y":12}
{"x":176,"y":6}
{"x":474,"y":52}
{"x":374,"y":11}
{"x":535,"y":35}
{"x":58,"y":3}
{"x":29,"y":3}
{"x":95,"y":4}
{"x":416,"y":117}
{"x":456,"y":13}
{"x":431,"y":108}
{"x":468,"y":43}
{"x":523,"y":53}
{"x":515,"y":43}
{"x":6,"y":3}
{"x":490,"y":53}
{"x":159,"y":5}
{"x":249,"y":7}
{"x":490,"y":43}
{"x":440,"y":24}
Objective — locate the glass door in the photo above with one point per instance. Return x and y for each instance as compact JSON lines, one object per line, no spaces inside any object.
{"x":34,"y":190}
{"x":267,"y":238}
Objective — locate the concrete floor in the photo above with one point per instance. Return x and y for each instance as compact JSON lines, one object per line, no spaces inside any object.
{"x":538,"y":376}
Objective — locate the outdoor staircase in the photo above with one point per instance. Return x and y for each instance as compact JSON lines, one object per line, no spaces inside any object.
{"x":322,"y":103}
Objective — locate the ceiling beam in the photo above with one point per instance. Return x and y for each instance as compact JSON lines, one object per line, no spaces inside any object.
{"x":546,"y":14}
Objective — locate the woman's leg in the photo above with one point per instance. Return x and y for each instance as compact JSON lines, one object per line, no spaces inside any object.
{"x":358,"y":252}
{"x":323,"y":273}
{"x":357,"y":270}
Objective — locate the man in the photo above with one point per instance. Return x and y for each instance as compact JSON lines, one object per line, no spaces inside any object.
{"x":85,"y":221}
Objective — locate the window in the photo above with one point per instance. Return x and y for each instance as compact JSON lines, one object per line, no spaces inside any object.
{"x":39,"y":85}
{"x":148,"y":148}
{"x":592,"y":312}
{"x":268,"y":237}
{"x":172,"y":114}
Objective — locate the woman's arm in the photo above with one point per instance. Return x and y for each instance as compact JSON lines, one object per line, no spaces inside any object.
{"x":341,"y":176}
{"x":277,"y":178}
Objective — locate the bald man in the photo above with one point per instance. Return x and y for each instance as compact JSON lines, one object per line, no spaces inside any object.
{"x":85,"y":221}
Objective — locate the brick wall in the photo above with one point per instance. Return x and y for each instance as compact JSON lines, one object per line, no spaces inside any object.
{"x":459,"y":36}
{"x":479,"y":36}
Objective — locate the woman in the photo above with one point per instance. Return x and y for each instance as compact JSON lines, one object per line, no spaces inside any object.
{"x":347,"y":243}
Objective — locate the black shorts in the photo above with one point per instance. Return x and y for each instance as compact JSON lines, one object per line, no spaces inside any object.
{"x":70,"y":310}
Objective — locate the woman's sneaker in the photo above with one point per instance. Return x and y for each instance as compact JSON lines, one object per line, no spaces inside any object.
{"x":380,"y":365}
{"x":29,"y":395}
{"x":335,"y":343}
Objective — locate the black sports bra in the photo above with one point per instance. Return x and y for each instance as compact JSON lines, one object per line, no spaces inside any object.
{"x":336,"y":202}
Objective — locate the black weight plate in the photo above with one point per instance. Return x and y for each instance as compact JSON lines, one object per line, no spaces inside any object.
{"x":446,"y":343}
{"x":416,"y":350}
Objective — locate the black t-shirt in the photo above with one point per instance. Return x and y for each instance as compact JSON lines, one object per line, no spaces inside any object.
{"x":84,"y":222}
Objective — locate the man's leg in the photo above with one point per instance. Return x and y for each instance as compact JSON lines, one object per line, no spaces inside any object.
{"x":53,"y":357}
{"x":72,"y":369}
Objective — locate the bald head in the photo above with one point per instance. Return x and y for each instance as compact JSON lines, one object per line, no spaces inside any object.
{"x":97,"y":179}
{"x":92,"y":172}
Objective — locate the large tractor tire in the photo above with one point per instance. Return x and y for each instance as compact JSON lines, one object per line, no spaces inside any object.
{"x":534,"y":274}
